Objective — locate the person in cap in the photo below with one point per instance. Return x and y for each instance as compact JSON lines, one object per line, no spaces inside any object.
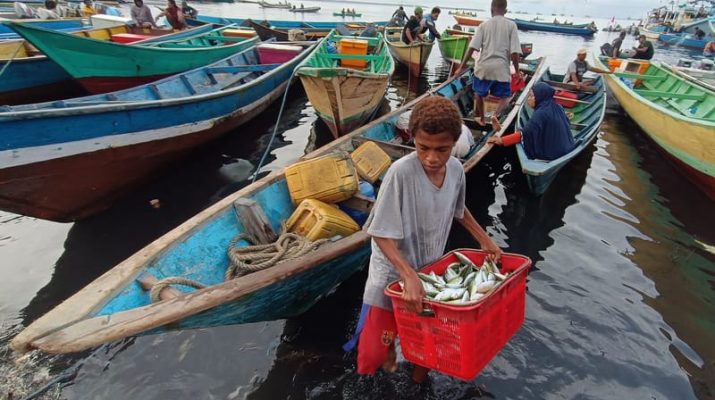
{"x":578,"y":67}
{"x":547,"y":135}
{"x":497,"y":41}
{"x":411,"y":31}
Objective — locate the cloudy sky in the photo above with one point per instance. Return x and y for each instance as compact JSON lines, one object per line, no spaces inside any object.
{"x":595,"y":8}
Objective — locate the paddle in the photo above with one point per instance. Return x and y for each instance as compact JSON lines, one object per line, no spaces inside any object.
{"x":569,"y":99}
{"x":571,"y":87}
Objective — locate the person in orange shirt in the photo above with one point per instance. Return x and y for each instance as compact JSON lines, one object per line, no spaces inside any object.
{"x":88,"y":9}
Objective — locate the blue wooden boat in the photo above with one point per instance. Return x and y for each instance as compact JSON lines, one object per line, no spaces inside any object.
{"x":283,"y":25}
{"x":61,"y":25}
{"x":683,"y":40}
{"x":586,"y":121}
{"x":31,"y":76}
{"x":556,"y":28}
{"x":117,"y":139}
{"x":116,"y":306}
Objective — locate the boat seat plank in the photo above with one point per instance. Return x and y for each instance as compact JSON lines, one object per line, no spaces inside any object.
{"x":669,"y":95}
{"x":571,"y":86}
{"x":155,"y":91}
{"x":188,"y":84}
{"x":639,"y":76}
{"x":242,"y":68}
{"x":350,"y":57}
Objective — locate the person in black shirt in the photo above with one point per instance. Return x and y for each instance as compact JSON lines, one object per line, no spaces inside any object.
{"x":398,"y":17}
{"x":189,"y":12}
{"x":411,"y":32}
{"x":644,"y":51}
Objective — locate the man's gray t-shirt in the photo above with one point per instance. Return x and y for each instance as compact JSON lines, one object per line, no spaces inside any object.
{"x":415,"y":213}
{"x":496,"y":39}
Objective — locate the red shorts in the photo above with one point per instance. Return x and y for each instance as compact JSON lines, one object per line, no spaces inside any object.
{"x":377,"y":336}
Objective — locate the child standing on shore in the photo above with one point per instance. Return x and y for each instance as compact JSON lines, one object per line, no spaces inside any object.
{"x":420,"y":196}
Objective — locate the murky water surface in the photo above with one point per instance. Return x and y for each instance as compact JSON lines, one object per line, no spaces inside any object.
{"x":620,"y":303}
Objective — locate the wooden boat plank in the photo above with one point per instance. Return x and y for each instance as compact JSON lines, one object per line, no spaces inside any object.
{"x":670,"y":95}
{"x":96,"y":331}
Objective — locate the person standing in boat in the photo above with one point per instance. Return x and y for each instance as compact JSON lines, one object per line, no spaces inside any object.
{"x":141,"y":15}
{"x":428,"y":23}
{"x":188,"y":11}
{"x":173,"y":15}
{"x":578,"y":67}
{"x":420,"y":197}
{"x":547,"y":135}
{"x":411,"y":31}
{"x":644,"y":50}
{"x":399,"y":17}
{"x":497,"y":41}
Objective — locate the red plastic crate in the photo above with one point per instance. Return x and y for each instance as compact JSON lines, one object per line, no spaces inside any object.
{"x":460,"y":341}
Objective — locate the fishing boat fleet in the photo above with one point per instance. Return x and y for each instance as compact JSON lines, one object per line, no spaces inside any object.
{"x":155,"y":95}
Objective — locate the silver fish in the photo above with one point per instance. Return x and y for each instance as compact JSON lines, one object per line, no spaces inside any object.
{"x":430,"y":290}
{"x":464,"y":260}
{"x":484,"y":287}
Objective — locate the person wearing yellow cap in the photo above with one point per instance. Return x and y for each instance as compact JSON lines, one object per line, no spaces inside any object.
{"x":578,"y":67}
{"x":411,"y":31}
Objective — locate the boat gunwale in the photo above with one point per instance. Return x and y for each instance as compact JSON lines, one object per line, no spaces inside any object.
{"x":670,"y":112}
{"x":126,"y":105}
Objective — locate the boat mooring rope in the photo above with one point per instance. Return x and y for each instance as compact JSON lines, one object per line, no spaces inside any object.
{"x":248,"y":259}
{"x":245,"y":260}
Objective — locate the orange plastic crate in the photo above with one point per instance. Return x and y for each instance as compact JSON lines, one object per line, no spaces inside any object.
{"x":353,"y":47}
{"x":460,"y":341}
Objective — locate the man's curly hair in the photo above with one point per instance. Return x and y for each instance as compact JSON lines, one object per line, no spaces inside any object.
{"x":436,"y":114}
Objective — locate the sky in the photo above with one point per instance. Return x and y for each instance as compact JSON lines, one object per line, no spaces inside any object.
{"x":594,"y":8}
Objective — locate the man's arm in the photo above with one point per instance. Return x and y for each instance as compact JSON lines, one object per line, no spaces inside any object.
{"x":515,"y":63}
{"x":413,"y":291}
{"x":479,"y":234}
{"x":599,"y":70}
{"x":433,"y":30}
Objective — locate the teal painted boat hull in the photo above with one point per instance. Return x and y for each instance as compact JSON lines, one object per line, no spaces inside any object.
{"x":102,"y":66}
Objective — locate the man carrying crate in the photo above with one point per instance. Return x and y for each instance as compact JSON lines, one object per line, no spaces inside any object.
{"x":420,"y":196}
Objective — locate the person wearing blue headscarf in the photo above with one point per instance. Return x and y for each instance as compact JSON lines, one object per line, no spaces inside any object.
{"x":547,"y":135}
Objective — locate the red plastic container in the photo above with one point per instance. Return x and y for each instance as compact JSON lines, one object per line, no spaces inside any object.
{"x":564,"y":97}
{"x":129,"y":37}
{"x":460,"y":341}
{"x":277,"y":53}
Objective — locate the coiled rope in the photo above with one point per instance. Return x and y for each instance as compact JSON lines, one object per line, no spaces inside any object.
{"x":248,"y":259}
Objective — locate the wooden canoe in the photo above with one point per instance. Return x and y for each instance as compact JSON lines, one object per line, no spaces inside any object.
{"x":119,"y":139}
{"x":304,"y":9}
{"x":555,"y":28}
{"x":704,"y":78}
{"x":454,"y":43}
{"x":351,"y":15}
{"x":114,"y":306}
{"x":102,"y":66}
{"x":586,"y":122}
{"x":467,"y":21}
{"x":346,"y":96}
{"x":32,"y":77}
{"x":267,"y":32}
{"x":413,"y":56}
{"x":62,"y":25}
{"x":678,"y":115}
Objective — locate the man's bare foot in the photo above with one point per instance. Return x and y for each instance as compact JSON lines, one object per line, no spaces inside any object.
{"x":390,"y":365}
{"x":419,"y":374}
{"x":496,"y":125}
{"x":480,"y":121}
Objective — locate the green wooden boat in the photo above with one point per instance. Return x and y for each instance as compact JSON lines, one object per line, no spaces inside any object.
{"x":102,"y":66}
{"x":453,"y":47}
{"x":678,"y":115}
{"x":344,"y":89}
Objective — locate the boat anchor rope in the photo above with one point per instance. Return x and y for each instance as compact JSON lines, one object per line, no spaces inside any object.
{"x":248,"y":259}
